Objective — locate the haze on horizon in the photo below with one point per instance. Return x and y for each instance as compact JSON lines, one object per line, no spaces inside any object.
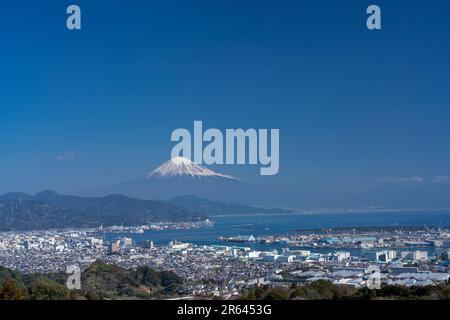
{"x":363,"y":116}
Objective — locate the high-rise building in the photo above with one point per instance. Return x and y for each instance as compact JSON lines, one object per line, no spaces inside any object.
{"x":383,"y":256}
{"x":114,"y":246}
{"x":127,"y":242}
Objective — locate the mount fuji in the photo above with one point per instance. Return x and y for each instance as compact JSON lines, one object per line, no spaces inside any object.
{"x":180,"y":176}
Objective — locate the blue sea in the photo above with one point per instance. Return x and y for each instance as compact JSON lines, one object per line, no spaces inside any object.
{"x":260,"y":225}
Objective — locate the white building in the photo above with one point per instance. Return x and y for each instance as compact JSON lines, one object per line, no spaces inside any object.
{"x":114,"y":246}
{"x":383,"y":256}
{"x":176,"y":245}
{"x":127,"y":242}
{"x":414,"y":255}
{"x":253,"y":254}
{"x":342,"y":256}
{"x":420,"y":255}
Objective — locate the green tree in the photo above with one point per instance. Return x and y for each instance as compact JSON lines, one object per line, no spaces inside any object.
{"x":45,"y":289}
{"x":277,"y":294}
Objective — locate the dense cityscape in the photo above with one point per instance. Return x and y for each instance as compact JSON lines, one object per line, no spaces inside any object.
{"x":406,"y":257}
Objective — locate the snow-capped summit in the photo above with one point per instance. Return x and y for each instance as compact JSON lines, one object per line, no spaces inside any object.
{"x":181,"y":176}
{"x":184,"y":167}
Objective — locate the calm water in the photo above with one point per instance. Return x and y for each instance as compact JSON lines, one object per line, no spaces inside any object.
{"x":259,"y":225}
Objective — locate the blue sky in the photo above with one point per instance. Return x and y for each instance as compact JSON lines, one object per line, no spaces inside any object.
{"x":357,"y":109}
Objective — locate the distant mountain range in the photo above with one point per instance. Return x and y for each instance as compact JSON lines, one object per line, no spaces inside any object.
{"x":50,"y":210}
{"x":180,"y":176}
{"x":212,"y":208}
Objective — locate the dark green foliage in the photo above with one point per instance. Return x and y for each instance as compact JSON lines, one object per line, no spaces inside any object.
{"x":102,"y":281}
{"x":147,"y":276}
{"x":277,"y":294}
{"x":366,"y":294}
{"x":99,"y":281}
{"x":6,"y":273}
{"x":43,"y":288}
{"x":322,"y":289}
{"x":12,"y":290}
{"x":170,"y":281}
{"x":255,"y":294}
{"x":325,"y":290}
